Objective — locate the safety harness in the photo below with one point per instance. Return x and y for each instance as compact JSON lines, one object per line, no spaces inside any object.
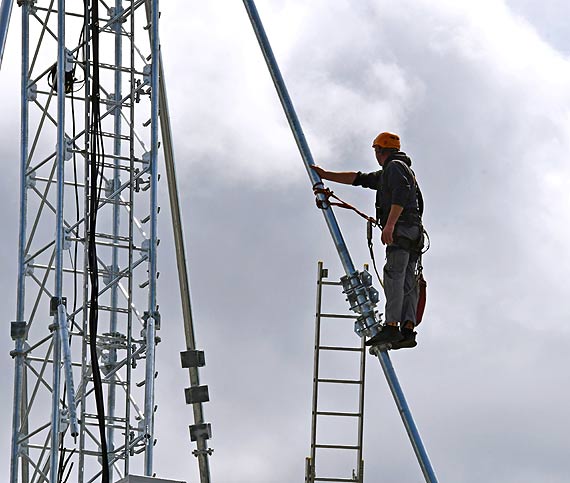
{"x":371,"y":223}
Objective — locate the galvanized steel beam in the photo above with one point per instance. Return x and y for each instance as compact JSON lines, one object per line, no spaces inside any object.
{"x":334,"y":229}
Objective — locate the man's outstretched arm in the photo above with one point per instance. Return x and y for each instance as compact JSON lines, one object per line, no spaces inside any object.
{"x":344,"y":177}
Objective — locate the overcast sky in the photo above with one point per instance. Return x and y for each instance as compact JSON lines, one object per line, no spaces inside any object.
{"x":478,"y":92}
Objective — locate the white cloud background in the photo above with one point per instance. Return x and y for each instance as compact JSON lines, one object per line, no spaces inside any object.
{"x":479,"y":93}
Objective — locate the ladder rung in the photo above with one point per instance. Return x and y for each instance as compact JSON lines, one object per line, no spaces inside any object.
{"x":337,"y":413}
{"x":335,"y":479}
{"x":340,"y":381}
{"x":111,"y":309}
{"x":338,"y":316}
{"x":331,"y":283}
{"x":336,"y":446}
{"x":107,"y":418}
{"x":115,"y":136}
{"x":347,"y":349}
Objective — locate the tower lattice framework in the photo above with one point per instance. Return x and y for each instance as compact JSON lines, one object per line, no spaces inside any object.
{"x":87,"y":241}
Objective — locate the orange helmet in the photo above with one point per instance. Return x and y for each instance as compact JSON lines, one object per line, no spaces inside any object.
{"x":387,"y":140}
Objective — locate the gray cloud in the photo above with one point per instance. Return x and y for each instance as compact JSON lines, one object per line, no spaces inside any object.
{"x":479,"y":95}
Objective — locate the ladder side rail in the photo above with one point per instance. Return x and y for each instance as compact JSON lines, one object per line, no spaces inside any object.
{"x":369,"y":322}
{"x":308,"y":475}
{"x":359,"y":457}
{"x":368,"y":325}
{"x":360,"y":437}
{"x":316,"y":361}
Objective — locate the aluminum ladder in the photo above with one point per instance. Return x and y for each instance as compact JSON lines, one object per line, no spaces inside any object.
{"x":310,"y":467}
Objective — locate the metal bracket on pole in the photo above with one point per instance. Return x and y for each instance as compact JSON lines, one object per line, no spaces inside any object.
{"x":356,"y":285}
{"x":61,"y":318}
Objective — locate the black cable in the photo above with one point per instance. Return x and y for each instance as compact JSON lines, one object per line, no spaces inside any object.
{"x":61,"y":466}
{"x":63,"y":463}
{"x":96,"y":151}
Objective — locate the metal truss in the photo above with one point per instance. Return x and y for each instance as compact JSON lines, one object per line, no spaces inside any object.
{"x":55,"y":419}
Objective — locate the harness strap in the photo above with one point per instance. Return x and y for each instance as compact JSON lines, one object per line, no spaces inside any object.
{"x":322,"y":204}
{"x":369,"y":230}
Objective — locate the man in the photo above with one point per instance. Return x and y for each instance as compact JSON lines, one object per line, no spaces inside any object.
{"x":399,"y":207}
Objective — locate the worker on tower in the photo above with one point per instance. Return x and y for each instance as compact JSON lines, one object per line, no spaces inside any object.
{"x":399,"y":208}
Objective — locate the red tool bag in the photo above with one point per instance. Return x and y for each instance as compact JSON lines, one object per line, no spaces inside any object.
{"x":421,"y":299}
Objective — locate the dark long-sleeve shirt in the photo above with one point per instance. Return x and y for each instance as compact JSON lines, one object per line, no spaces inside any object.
{"x":395,"y":184}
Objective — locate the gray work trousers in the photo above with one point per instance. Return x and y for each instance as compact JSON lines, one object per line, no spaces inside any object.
{"x":400,"y":285}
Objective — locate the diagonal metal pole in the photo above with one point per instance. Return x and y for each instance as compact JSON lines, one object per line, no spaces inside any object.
{"x":181,"y":262}
{"x":355,"y":286}
{"x":342,"y":249}
{"x":406,"y":415}
{"x":5,"y":14}
{"x":203,"y":452}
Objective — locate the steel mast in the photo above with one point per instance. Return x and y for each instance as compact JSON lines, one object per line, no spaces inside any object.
{"x":357,"y":285}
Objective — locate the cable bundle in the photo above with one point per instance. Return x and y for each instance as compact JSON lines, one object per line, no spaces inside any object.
{"x":96,"y":153}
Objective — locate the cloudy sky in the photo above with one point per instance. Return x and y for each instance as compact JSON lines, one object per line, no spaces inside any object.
{"x":479,"y":93}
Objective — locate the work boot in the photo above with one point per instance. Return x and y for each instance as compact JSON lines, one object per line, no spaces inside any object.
{"x":408,"y":340}
{"x":388,"y":335}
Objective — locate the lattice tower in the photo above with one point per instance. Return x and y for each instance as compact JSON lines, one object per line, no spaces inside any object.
{"x":88,"y":239}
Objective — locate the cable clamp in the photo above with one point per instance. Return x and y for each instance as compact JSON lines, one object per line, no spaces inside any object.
{"x":54,"y":303}
{"x":116,"y":14}
{"x":322,"y":202}
{"x":32,"y":92}
{"x":21,"y":3}
{"x":200,"y":431}
{"x":18,"y":330}
{"x":155,"y":315}
{"x":146,"y":73}
{"x":69,"y":60}
{"x":198,"y":452}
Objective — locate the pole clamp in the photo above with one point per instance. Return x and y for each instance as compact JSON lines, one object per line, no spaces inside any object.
{"x":18,"y":329}
{"x":155,"y":316}
{"x":362,"y":298}
{"x":198,"y":452}
{"x":54,"y":303}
